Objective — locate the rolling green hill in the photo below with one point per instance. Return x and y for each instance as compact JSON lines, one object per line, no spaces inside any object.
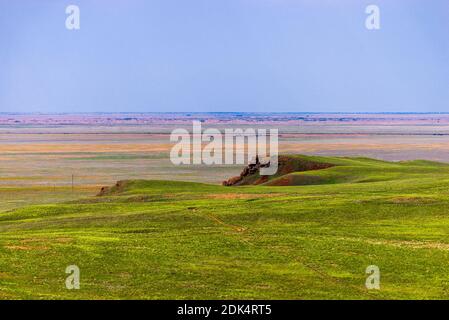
{"x":308,"y":232}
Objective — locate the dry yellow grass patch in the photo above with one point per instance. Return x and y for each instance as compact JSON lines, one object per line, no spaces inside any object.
{"x":402,"y":243}
{"x":219,"y":221}
{"x":411,"y":200}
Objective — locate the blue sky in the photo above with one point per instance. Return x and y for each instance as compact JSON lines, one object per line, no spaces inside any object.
{"x":224,"y":55}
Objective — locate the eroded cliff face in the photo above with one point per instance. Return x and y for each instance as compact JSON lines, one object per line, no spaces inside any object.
{"x":286,"y":164}
{"x":249,"y":170}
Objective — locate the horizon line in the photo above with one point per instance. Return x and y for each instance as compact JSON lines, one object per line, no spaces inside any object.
{"x":216,"y":112}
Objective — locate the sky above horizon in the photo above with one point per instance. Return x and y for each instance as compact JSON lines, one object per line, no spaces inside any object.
{"x":224,"y":56}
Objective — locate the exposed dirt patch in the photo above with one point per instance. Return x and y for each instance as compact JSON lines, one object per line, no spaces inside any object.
{"x":57,"y":240}
{"x":26,"y":248}
{"x":261,"y":180}
{"x":283,"y":181}
{"x":4,"y":275}
{"x":117,"y":188}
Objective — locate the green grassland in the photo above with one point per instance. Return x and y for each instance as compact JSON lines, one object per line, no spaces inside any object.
{"x":311,"y":239}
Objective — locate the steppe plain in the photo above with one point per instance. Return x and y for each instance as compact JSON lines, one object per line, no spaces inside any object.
{"x":196,"y":239}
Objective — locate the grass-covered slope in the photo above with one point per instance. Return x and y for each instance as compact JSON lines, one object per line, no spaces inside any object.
{"x":295,"y":170}
{"x":163,"y":239}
